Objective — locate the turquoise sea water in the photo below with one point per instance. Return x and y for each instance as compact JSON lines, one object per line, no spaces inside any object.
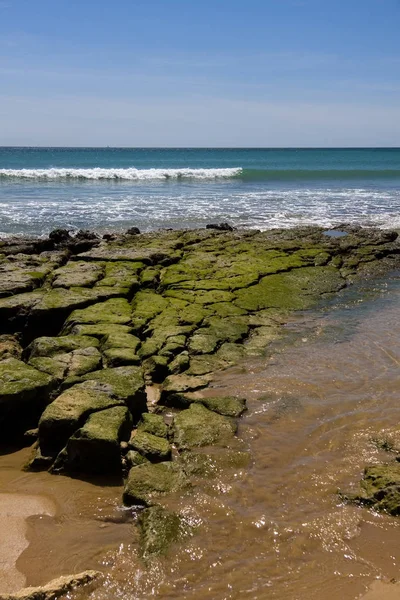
{"x":114,"y":188}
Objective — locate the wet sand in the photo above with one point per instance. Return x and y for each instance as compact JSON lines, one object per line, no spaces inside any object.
{"x":14,"y":511}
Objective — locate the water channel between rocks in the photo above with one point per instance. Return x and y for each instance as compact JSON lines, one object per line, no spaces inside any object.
{"x":276,"y":528}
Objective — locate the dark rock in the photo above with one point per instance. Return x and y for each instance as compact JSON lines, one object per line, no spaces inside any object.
{"x":10,"y":347}
{"x":220,"y":226}
{"x":133,"y":231}
{"x":24,"y":392}
{"x":60,"y":236}
{"x":84,"y":234}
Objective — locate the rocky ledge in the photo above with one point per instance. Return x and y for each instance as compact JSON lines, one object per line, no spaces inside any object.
{"x":107,"y":344}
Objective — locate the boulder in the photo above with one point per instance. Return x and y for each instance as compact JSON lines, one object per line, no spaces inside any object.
{"x":95,"y":447}
{"x":69,"y":411}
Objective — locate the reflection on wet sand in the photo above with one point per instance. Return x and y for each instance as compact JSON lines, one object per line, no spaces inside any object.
{"x":277,"y":528}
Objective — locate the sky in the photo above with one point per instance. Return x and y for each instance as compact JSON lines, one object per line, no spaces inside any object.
{"x":237,"y":73}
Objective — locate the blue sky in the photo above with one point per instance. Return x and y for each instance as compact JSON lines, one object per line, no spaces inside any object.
{"x":209,"y":73}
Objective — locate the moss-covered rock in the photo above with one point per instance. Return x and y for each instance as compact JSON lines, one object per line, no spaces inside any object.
{"x":147,"y":483}
{"x":45,"y":311}
{"x":95,"y":447}
{"x":198,"y":426}
{"x":154,"y":424}
{"x":126,"y":383}
{"x":73,"y":364}
{"x":122,"y":274}
{"x":119,"y":357}
{"x":21,"y":276}
{"x":77,"y":274}
{"x":380,"y":488}
{"x":100,"y":330}
{"x":116,"y":311}
{"x":151,"y":446}
{"x":50,"y":346}
{"x":120,"y":340}
{"x":159,"y":530}
{"x":294,"y":290}
{"x":68,"y":412}
{"x":184,"y":383}
{"x":228,"y":406}
{"x":24,"y":392}
{"x":133,"y":458}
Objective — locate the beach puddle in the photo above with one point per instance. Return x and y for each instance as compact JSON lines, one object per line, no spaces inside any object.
{"x":320,"y":407}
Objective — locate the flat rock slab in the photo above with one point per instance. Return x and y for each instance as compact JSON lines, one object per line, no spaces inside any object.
{"x":148,"y":482}
{"x":49,"y":346}
{"x":147,"y":256}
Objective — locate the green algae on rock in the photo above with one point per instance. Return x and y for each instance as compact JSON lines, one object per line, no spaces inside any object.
{"x":69,"y":411}
{"x":153,"y":447}
{"x":198,"y":426}
{"x":380,"y":488}
{"x":95,"y":447}
{"x":159,"y":530}
{"x":149,"y":482}
{"x":24,"y":392}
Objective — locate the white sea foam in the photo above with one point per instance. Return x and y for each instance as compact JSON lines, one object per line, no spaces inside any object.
{"x":130,"y":174}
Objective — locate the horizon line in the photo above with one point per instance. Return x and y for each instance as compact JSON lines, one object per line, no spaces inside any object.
{"x":107,"y":147}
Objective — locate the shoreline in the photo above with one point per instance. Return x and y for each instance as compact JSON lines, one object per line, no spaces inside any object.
{"x":142,"y":312}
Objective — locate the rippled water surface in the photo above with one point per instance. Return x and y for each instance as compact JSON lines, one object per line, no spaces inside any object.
{"x":275,"y":529}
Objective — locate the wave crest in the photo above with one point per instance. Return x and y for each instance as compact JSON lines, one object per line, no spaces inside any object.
{"x":130,"y":174}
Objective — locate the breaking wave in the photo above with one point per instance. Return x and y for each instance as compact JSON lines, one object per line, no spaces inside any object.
{"x":130,"y":174}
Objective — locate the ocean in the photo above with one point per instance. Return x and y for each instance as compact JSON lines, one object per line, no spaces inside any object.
{"x":107,"y":189}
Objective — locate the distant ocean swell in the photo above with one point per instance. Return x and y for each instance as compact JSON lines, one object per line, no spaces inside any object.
{"x":132,"y":174}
